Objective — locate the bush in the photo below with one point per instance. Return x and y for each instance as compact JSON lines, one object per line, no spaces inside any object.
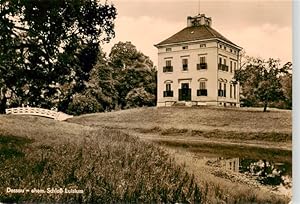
{"x":139,"y":97}
{"x":82,"y":104}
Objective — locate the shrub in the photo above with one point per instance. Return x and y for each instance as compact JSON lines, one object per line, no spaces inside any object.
{"x":139,"y":97}
{"x":82,"y":104}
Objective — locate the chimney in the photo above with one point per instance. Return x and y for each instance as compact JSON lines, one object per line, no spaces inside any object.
{"x":198,"y":20}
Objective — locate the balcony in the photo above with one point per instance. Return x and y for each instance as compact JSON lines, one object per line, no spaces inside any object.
{"x":201,"y":66}
{"x":223,"y":67}
{"x":202,"y":92}
{"x":168,"y":69}
{"x":168,"y":93}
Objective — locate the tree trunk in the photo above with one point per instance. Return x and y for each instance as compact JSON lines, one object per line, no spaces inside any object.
{"x":265,"y":106}
{"x":3,"y":105}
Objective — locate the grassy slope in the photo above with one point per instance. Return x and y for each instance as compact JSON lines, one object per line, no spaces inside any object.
{"x":241,"y":120}
{"x":194,"y":118}
{"x":229,"y":124}
{"x":108,"y":165}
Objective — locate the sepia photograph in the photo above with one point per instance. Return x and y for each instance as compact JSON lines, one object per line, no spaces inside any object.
{"x":146,"y":101}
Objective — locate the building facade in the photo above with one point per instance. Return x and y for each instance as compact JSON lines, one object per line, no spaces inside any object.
{"x":196,"y":66}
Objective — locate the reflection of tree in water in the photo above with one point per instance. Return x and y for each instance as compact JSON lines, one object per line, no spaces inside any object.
{"x":266,"y":172}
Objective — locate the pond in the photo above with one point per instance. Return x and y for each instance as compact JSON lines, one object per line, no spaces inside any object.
{"x":268,"y":173}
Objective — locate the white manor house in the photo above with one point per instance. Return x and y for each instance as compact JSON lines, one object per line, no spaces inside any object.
{"x":196,"y":66}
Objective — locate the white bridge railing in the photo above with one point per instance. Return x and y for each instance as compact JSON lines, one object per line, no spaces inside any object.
{"x":38,"y":112}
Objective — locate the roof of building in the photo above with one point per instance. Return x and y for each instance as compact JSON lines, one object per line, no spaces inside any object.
{"x":194,"y":33}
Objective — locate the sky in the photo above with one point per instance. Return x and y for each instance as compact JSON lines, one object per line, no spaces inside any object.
{"x":262,"y":28}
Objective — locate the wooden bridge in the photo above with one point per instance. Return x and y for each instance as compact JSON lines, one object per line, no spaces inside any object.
{"x":38,"y":112}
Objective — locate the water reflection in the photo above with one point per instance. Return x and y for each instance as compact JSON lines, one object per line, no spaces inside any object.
{"x":231,"y":164}
{"x":266,"y":172}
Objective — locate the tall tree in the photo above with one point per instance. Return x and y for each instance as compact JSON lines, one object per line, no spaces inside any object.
{"x":261,"y":81}
{"x":49,"y":47}
{"x":134,"y":74}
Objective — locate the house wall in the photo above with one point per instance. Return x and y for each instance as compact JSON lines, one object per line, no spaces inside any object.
{"x":212,"y":52}
{"x":229,"y":53}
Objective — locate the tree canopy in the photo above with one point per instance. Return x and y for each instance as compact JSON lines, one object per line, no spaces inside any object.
{"x":49,"y":47}
{"x":262,"y":81}
{"x":125,"y":78}
{"x":132,"y":70}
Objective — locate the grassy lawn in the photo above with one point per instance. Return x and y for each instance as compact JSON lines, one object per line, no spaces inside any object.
{"x":206,"y":118}
{"x":236,"y":125}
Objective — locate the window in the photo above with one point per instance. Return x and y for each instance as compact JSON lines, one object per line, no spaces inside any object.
{"x":231,"y":66}
{"x":202,"y":45}
{"x":224,"y":91}
{"x":202,"y":91}
{"x":230,"y":90}
{"x":203,"y":64}
{"x":224,"y":48}
{"x":168,"y":92}
{"x":202,"y":85}
{"x":223,"y":66}
{"x":168,"y":67}
{"x":168,"y":63}
{"x":185,"y":47}
{"x":220,"y":46}
{"x":220,"y":91}
{"x":220,"y":63}
{"x":234,"y":66}
{"x":202,"y":60}
{"x":230,"y":50}
{"x":168,"y":49}
{"x":184,"y":64}
{"x":234,"y":91}
{"x":168,"y":87}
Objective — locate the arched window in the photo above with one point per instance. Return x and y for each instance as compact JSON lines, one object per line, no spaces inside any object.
{"x":233,"y":85}
{"x":220,"y":90}
{"x":202,"y":91}
{"x":168,"y":82}
{"x":168,"y":90}
{"x":234,"y":91}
